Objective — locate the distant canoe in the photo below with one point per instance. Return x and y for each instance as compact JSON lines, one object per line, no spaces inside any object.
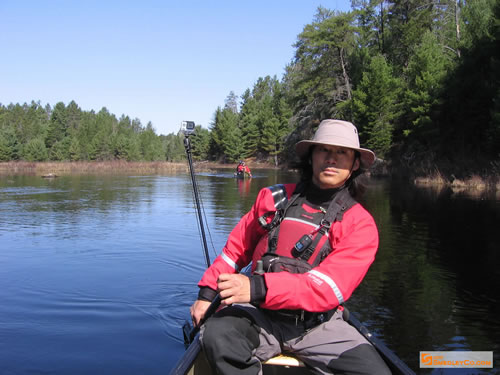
{"x":242,"y":175}
{"x":50,"y":175}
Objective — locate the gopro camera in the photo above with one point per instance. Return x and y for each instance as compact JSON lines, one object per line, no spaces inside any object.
{"x":302,"y":245}
{"x":187,"y":127}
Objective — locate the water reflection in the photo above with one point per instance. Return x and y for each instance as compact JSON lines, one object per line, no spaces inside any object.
{"x":98,"y":273}
{"x":436,"y":271}
{"x":243,"y":186}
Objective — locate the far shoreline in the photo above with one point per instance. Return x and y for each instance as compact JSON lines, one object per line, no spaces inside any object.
{"x":54,"y":169}
{"x":64,"y":168}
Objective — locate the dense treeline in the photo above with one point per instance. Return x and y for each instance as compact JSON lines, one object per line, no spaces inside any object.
{"x":419,"y":78}
{"x":35,"y":133}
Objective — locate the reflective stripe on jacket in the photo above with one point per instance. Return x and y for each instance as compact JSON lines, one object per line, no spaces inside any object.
{"x":354,"y":241}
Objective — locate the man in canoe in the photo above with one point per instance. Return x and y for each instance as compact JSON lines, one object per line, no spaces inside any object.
{"x":310,"y":245}
{"x":242,"y":168}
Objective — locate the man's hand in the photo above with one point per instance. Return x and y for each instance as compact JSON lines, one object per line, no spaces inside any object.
{"x":233,"y":288}
{"x":198,"y":311}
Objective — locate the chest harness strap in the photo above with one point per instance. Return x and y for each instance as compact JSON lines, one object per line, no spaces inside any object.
{"x":335,"y":212}
{"x":342,"y":202}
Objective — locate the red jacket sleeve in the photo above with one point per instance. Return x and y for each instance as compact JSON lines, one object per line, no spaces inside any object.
{"x":237,"y":253}
{"x":354,"y":241}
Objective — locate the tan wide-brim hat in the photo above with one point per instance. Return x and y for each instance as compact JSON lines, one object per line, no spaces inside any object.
{"x":336,"y":133}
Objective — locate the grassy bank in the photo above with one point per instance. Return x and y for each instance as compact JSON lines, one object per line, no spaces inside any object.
{"x":475,"y":173}
{"x":104,"y":167}
{"x":472,"y":182}
{"x":459,"y":179}
{"x":108,"y":167}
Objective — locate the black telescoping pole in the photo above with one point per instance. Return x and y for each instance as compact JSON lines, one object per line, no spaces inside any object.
{"x":190,"y":332}
{"x":187,"y":146}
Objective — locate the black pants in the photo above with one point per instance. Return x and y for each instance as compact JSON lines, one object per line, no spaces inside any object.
{"x":238,"y":338}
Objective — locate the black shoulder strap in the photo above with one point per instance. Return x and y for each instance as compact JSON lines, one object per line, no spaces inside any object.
{"x":342,"y":202}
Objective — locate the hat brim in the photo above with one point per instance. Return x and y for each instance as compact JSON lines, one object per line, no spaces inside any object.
{"x":367,"y":156}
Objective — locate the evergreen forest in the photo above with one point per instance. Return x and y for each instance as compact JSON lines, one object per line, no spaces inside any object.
{"x":419,"y":78}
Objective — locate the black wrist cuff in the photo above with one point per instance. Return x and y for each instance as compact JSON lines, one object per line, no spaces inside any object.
{"x":258,"y":289}
{"x":206,"y":294}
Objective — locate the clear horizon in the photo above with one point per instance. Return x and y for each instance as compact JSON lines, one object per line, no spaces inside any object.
{"x":163,"y":62}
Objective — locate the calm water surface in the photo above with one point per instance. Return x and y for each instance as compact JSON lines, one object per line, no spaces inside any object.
{"x":97,"y":273}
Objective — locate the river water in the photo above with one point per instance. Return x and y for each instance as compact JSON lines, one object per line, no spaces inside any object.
{"x":97,"y":273}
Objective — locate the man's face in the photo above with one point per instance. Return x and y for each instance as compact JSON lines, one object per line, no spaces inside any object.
{"x":332,"y":165}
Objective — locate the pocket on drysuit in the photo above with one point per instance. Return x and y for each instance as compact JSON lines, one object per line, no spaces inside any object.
{"x":276,"y":263}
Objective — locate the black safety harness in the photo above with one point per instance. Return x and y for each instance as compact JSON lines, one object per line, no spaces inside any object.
{"x":304,"y":248}
{"x":306,"y":245}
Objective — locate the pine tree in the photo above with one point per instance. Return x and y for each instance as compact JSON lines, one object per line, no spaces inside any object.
{"x":151,"y":145}
{"x":60,"y":150}
{"x":121,"y":147}
{"x":273,"y":137}
{"x":319,"y":82}
{"x":248,"y":124}
{"x":426,"y":71}
{"x":231,"y":136}
{"x":408,"y":20}
{"x":216,"y":135}
{"x":231,"y":102}
{"x":174,"y":147}
{"x":58,"y":125}
{"x":9,"y":145}
{"x":375,"y":106}
{"x":35,"y":121}
{"x":134,"y":148}
{"x":101,"y":146}
{"x":200,"y":142}
{"x":35,"y":150}
{"x":5,"y":149}
{"x":74,"y":150}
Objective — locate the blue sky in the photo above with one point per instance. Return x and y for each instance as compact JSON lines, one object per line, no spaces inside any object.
{"x":159,"y":61}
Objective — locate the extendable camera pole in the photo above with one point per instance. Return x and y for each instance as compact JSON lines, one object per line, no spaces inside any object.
{"x":191,"y":340}
{"x":187,"y":146}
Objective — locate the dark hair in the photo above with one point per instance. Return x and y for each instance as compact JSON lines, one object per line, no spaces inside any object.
{"x":355,"y":183}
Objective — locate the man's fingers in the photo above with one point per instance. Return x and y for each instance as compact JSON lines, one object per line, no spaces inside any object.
{"x":224,"y":277}
{"x":196,"y":321}
{"x":233,"y":288}
{"x":198,"y":310}
{"x":226,"y":285}
{"x":227,"y":280}
{"x":225,"y":293}
{"x":227,"y":301}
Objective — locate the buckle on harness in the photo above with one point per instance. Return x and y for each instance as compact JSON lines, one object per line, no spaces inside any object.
{"x":274,"y":222}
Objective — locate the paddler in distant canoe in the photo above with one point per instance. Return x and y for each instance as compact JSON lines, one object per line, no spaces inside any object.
{"x":242,"y":170}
